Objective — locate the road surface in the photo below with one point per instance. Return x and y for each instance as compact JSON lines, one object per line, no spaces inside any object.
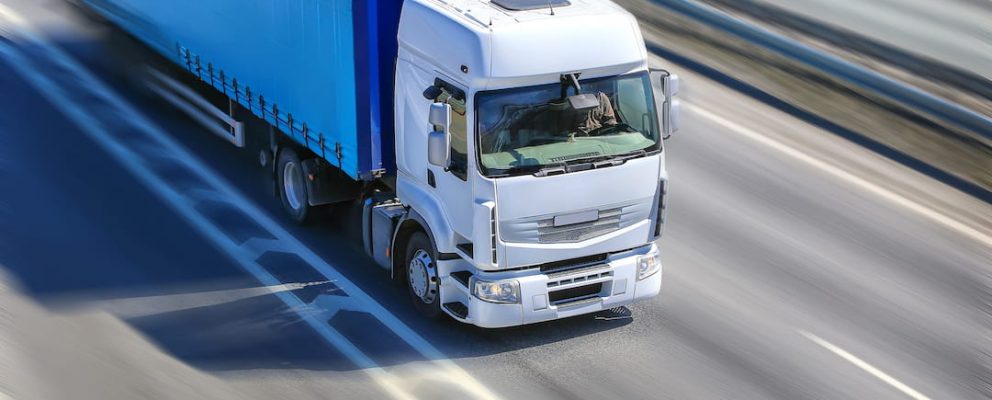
{"x":796,"y":266}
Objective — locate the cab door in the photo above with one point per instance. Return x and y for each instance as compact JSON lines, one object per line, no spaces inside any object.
{"x":451,"y":183}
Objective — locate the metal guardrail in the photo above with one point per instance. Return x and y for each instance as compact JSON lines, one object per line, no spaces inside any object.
{"x":878,"y":83}
{"x":950,"y":75}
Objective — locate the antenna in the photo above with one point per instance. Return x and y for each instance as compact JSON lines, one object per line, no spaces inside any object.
{"x":551,"y":7}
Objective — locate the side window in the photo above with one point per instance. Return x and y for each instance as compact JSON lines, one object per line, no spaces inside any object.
{"x":459,"y":134}
{"x":632,"y":104}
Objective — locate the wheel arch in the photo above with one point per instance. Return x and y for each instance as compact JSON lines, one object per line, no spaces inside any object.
{"x":412,"y":223}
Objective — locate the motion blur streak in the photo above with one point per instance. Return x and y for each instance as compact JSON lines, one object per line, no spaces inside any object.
{"x":865,"y":366}
{"x":848,"y":177}
{"x":779,"y":229}
{"x":133,"y":307}
{"x":185,"y":204}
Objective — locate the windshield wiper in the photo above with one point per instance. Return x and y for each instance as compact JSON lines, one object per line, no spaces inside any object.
{"x":574,"y":165}
{"x":630,"y":155}
{"x":553,"y":169}
{"x":622,"y":157}
{"x":583,"y":164}
{"x":537,"y":170}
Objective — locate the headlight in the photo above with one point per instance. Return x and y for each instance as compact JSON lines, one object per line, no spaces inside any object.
{"x":648,"y":264}
{"x":507,"y":292}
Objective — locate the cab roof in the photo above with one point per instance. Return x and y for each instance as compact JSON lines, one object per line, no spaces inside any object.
{"x":496,"y":12}
{"x":522,"y":5}
{"x":481,"y":43}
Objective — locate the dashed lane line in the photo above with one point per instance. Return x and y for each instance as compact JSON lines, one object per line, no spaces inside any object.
{"x":902,"y":387}
{"x":847,"y":177}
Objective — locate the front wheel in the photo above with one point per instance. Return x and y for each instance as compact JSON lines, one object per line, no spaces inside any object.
{"x":421,"y":276}
{"x":293,"y":186}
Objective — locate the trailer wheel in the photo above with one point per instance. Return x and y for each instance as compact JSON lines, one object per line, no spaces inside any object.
{"x":421,"y":276}
{"x":293,"y":186}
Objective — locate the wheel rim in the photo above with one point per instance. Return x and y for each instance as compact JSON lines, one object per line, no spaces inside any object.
{"x":292,"y":182}
{"x":423,"y":276}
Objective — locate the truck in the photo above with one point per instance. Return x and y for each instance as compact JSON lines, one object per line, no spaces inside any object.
{"x":507,"y":156}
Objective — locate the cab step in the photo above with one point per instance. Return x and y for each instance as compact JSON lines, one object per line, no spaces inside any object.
{"x":462,"y":277}
{"x":457,"y":308}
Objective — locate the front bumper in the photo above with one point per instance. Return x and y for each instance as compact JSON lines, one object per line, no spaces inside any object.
{"x":547,"y":296}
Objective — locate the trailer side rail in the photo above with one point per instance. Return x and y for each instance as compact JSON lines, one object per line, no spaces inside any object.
{"x":256,"y":103}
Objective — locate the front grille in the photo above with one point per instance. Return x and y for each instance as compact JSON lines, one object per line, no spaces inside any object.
{"x":609,"y":221}
{"x":576,"y":293}
{"x":541,"y":229}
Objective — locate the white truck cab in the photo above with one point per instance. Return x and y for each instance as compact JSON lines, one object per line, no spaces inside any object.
{"x":529,"y":151}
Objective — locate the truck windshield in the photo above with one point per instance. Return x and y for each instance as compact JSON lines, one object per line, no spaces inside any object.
{"x":526,"y":130}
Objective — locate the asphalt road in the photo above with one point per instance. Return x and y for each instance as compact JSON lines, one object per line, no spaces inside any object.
{"x":956,"y":32}
{"x":796,"y":266}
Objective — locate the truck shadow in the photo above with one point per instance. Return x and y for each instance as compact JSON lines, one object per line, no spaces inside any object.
{"x":232,"y":325}
{"x":469,"y":341}
{"x":454,"y":339}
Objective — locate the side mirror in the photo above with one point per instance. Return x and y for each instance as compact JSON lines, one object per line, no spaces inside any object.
{"x":666,"y":88}
{"x":439,"y":141}
{"x":674,"y":110}
{"x":440,"y":116}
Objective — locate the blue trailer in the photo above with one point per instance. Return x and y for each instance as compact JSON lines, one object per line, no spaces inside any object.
{"x":320,"y":71}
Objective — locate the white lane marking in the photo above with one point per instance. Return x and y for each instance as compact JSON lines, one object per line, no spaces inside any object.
{"x":848,"y":177}
{"x":140,"y":306}
{"x":851,"y":358}
{"x":447,"y":370}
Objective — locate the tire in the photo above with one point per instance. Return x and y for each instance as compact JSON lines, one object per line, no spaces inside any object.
{"x":292,"y":187}
{"x":421,"y":278}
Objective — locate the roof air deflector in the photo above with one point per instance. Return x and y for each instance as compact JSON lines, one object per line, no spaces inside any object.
{"x":524,"y":5}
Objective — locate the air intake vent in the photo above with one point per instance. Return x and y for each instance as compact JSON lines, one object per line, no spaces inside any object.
{"x":659,"y":225}
{"x":524,"y":5}
{"x":576,"y":293}
{"x":492,"y":232}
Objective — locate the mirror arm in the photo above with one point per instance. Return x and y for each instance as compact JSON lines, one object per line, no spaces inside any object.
{"x":570,"y":80}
